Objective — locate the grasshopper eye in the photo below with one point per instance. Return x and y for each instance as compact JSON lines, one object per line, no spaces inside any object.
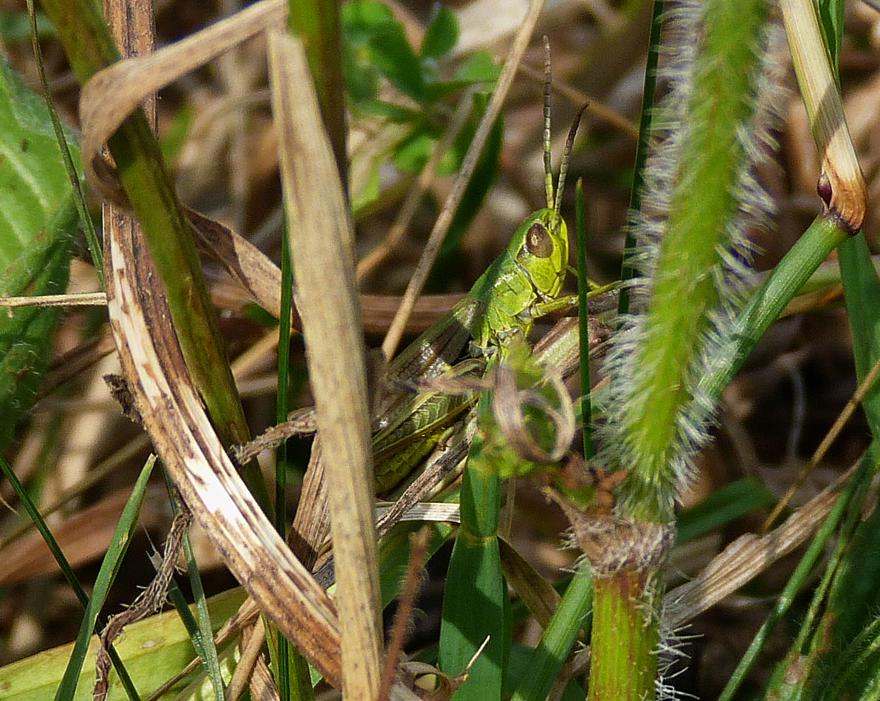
{"x":538,"y":241}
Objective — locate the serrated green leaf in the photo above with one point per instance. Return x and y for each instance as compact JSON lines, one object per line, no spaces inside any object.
{"x":441,"y":34}
{"x":37,"y":218}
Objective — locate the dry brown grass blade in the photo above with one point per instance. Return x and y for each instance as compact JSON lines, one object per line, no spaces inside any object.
{"x":114,"y":93}
{"x":194,"y":456}
{"x":321,"y":246}
{"x":540,"y":598}
{"x":247,"y":264}
{"x":747,"y":557}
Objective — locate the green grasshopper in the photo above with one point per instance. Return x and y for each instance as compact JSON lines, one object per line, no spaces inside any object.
{"x":524,"y":283}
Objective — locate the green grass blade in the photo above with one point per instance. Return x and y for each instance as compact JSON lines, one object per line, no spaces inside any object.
{"x":583,"y":317}
{"x":109,"y":569}
{"x":290,"y":669}
{"x":200,"y":628}
{"x":475,"y":596}
{"x":558,"y":639}
{"x":64,"y":565}
{"x":800,"y":575}
{"x":73,"y":173}
{"x":178,"y":600}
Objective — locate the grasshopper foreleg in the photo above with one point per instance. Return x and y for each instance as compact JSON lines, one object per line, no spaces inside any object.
{"x":552,"y":306}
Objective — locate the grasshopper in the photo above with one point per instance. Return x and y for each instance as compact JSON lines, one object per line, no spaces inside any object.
{"x":523,"y":284}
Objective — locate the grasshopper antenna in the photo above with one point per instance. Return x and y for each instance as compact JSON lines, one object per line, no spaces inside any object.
{"x":548,"y":81}
{"x":566,"y":157}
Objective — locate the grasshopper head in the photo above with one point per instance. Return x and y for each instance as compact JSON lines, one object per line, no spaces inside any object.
{"x":540,"y":247}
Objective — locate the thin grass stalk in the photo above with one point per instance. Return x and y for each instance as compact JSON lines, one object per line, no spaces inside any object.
{"x":279,"y":651}
{"x":82,"y":209}
{"x":291,"y":671}
{"x":649,"y":86}
{"x":583,"y":318}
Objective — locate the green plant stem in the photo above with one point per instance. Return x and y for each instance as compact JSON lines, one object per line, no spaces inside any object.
{"x":282,"y":406}
{"x":78,"y":196}
{"x":768,"y":301}
{"x":583,"y":317}
{"x":623,"y":663}
{"x":89,"y":48}
{"x":291,"y":669}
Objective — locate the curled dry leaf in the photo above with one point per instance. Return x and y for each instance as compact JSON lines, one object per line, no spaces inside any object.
{"x":509,"y":404}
